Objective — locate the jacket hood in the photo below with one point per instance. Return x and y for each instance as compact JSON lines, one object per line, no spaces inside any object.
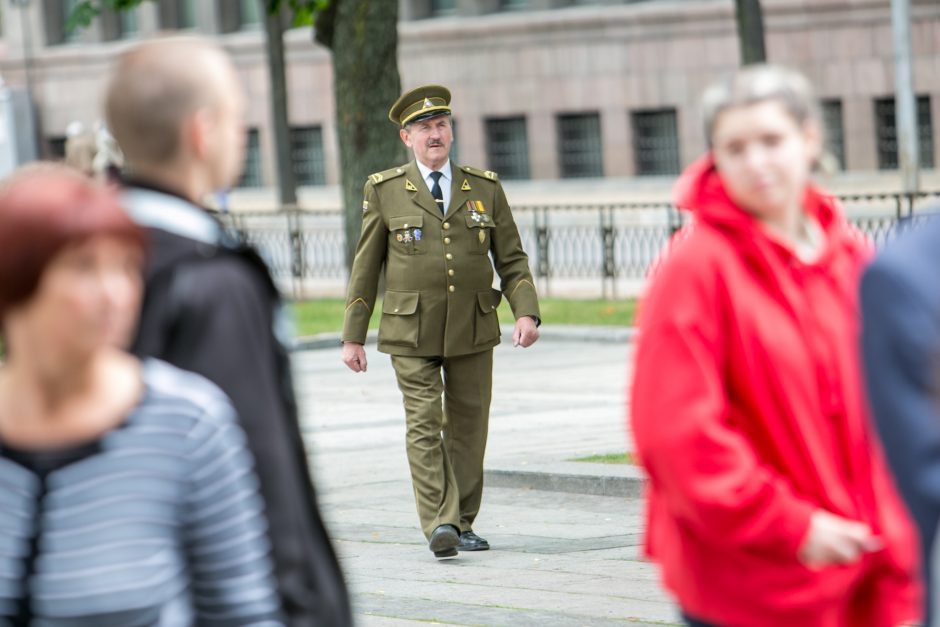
{"x":700,"y":190}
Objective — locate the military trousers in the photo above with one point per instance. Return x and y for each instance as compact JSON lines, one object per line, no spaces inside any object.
{"x":447,"y":410}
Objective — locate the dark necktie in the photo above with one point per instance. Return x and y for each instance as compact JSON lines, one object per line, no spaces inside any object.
{"x":436,"y":190}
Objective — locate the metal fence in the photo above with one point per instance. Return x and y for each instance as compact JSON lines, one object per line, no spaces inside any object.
{"x":592,"y":249}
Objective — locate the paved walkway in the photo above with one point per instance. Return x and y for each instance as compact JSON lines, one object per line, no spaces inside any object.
{"x":559,"y":558}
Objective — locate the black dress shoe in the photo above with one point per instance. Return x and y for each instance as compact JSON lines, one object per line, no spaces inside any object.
{"x":470,"y":541}
{"x":444,"y":541}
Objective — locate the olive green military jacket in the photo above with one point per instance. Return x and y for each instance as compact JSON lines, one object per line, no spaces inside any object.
{"x":439,"y":299}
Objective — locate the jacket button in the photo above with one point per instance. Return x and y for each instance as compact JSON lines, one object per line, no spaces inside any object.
{"x":446,"y":225}
{"x":451,"y":288}
{"x":396,"y":310}
{"x":450,"y":273}
{"x":406,"y":226}
{"x":448,"y":256}
{"x":447,"y":240}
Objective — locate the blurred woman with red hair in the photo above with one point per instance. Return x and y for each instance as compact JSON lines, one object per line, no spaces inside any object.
{"x":127,"y":495}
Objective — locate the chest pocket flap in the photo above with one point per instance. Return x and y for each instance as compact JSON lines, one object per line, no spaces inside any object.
{"x":484,"y":222}
{"x":405,"y":222}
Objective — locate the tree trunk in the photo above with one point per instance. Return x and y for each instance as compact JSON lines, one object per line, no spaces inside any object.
{"x":274,"y":41}
{"x":363,"y":35}
{"x":751,"y":31}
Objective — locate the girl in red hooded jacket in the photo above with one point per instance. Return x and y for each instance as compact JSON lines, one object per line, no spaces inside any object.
{"x":769,"y":500}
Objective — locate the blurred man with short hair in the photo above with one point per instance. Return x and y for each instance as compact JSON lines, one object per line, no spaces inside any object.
{"x":176,"y":108}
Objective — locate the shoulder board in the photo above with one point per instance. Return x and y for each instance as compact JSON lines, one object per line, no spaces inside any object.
{"x":381,"y":177}
{"x":483,"y":174}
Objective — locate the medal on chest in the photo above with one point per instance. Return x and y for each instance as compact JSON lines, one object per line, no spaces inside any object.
{"x":477,"y":211}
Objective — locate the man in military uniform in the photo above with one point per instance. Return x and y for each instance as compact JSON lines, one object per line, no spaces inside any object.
{"x":435,"y":225}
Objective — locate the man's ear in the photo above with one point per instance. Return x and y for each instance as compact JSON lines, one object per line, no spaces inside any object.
{"x":405,"y":137}
{"x":198,"y":133}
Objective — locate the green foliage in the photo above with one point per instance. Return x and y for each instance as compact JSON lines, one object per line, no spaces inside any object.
{"x":82,"y":15}
{"x":305,"y":11}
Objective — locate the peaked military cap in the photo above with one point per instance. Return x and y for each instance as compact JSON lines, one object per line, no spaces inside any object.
{"x":421,"y":103}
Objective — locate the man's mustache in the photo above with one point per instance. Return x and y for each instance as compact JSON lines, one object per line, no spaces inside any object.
{"x":435,"y":143}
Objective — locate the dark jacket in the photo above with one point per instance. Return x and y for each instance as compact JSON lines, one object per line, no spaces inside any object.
{"x":900,"y":300}
{"x":210,"y":306}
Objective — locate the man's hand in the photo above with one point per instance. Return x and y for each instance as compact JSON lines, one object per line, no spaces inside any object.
{"x":525,"y":334}
{"x":833,"y":540}
{"x":354,"y":356}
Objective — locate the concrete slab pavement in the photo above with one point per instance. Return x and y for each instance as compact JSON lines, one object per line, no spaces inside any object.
{"x":563,"y":556}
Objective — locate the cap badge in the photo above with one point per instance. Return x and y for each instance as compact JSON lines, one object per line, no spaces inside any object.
{"x":427,"y":103}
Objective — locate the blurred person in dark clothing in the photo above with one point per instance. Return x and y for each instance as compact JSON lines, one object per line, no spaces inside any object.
{"x":900,"y":303}
{"x":176,"y":107}
{"x":128,"y":493}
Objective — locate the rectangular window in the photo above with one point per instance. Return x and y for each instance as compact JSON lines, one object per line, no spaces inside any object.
{"x":252,"y":176}
{"x":835,"y":135}
{"x":55,"y":147}
{"x":887,"y":133}
{"x":236,"y":15}
{"x":56,"y":16}
{"x":655,"y":142}
{"x":443,"y":7}
{"x":512,"y":5}
{"x":128,"y":23}
{"x":507,"y":147}
{"x":177,"y":14}
{"x":306,"y":151}
{"x":249,"y":14}
{"x":579,"y":145}
{"x":118,"y":24}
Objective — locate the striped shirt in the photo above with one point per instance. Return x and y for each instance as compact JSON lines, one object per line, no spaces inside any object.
{"x":159,"y":524}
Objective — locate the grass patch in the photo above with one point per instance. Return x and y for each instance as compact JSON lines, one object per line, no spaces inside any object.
{"x":325,"y":315}
{"x":613,"y":313}
{"x":609,"y":458}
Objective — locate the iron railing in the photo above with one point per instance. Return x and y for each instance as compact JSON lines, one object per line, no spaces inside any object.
{"x":601,"y":249}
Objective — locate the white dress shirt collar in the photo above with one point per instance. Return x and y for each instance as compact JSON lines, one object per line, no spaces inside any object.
{"x":445,"y":180}
{"x":170,"y":213}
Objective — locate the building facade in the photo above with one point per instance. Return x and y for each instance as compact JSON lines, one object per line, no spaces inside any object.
{"x":564,"y":98}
